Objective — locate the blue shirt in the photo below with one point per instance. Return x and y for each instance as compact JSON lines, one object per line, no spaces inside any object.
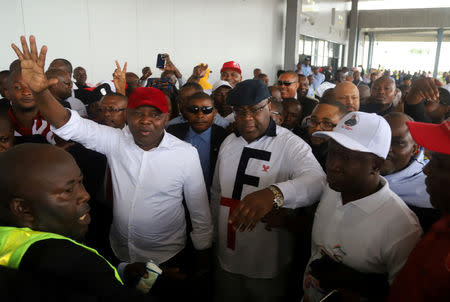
{"x":202,"y":143}
{"x":306,"y":70}
{"x":318,"y":79}
{"x":409,"y":183}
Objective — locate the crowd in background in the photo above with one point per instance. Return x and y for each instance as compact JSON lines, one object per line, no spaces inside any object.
{"x":326,"y":184}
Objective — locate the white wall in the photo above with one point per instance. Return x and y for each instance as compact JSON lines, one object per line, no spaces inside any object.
{"x":316,"y":20}
{"x":94,"y":33}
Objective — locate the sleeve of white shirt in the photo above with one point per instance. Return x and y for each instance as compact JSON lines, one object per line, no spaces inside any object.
{"x":89,"y":133}
{"x":197,"y":202}
{"x":398,"y":253}
{"x":306,"y":180}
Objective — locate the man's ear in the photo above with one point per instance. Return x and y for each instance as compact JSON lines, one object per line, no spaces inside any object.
{"x":7,"y":95}
{"x":22,"y":213}
{"x":377,"y":163}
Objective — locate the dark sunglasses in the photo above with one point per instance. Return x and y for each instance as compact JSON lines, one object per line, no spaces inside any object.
{"x":285,"y":83}
{"x":204,"y":109}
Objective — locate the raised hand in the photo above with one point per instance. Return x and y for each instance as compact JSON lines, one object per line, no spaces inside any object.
{"x":171,"y":67}
{"x":199,"y":71}
{"x":119,"y":78}
{"x":32,"y":65}
{"x":426,"y":88}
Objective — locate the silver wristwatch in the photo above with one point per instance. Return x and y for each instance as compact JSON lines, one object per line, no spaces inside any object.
{"x":278,"y":199}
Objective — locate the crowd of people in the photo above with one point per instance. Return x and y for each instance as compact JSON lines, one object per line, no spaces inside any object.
{"x":325,"y":186}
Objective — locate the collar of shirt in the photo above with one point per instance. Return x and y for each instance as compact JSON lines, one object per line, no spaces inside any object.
{"x":415,"y":167}
{"x":204,"y":136}
{"x":372,"y":202}
{"x":19,"y":128}
{"x":165,"y":142}
{"x":270,"y":131}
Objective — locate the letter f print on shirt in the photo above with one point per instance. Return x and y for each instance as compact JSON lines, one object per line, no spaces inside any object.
{"x":241,"y":180}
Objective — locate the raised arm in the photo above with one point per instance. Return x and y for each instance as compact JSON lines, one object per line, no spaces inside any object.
{"x":171,"y":67}
{"x":32,"y":65}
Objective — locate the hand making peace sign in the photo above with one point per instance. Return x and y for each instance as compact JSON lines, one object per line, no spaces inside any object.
{"x":119,"y":78}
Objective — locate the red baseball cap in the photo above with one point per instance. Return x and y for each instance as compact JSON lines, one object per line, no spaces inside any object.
{"x":232,"y":65}
{"x":434,"y":137}
{"x":148,"y":96}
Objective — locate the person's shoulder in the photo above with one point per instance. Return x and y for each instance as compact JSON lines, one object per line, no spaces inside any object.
{"x":288,"y":136}
{"x":179,"y":130}
{"x":219,"y":132}
{"x":179,"y":147}
{"x":397,"y":216}
{"x":229,"y":142}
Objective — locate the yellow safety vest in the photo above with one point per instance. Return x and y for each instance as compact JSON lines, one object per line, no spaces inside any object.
{"x":14,"y":243}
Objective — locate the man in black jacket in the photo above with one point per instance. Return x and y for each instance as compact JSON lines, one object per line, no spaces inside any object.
{"x":201,"y":132}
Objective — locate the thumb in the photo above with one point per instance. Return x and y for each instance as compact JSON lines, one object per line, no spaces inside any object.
{"x":52,"y":81}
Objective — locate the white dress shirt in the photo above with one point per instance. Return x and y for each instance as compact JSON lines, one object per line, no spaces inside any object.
{"x":148,"y":187}
{"x":374,"y":234}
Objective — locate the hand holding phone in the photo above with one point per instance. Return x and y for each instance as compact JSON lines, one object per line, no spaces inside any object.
{"x":160,"y":61}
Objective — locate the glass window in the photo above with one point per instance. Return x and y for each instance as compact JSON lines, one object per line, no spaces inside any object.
{"x":301,"y":42}
{"x":330,"y":50}
{"x":307,"y":47}
{"x":320,"y":48}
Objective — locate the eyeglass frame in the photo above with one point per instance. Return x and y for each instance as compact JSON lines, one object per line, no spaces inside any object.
{"x":321,"y":123}
{"x":251,"y":112}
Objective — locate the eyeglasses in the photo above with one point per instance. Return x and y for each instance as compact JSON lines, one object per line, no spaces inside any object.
{"x":197,"y":109}
{"x":275,"y":112}
{"x":325,"y":125}
{"x":111,"y":110}
{"x":239,"y":112}
{"x":285,"y":83}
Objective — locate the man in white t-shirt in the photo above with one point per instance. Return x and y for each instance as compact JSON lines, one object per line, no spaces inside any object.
{"x":260,"y":168}
{"x":362,"y":232}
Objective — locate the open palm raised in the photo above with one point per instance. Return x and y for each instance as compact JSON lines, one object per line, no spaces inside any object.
{"x":32,"y":65}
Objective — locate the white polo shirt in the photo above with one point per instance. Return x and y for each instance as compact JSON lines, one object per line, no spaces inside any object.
{"x":374,"y":234}
{"x":280,"y":158}
{"x":148,"y":188}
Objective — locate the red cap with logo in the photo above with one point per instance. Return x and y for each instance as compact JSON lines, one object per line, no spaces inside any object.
{"x":232,"y":65}
{"x":150,"y":96}
{"x":434,"y":137}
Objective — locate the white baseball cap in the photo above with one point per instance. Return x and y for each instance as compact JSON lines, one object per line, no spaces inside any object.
{"x":221,"y":83}
{"x":363,"y":132}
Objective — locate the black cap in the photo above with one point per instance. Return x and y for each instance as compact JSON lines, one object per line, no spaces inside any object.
{"x":248,"y":93}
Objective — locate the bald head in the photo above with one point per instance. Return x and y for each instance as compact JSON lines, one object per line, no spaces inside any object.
{"x":62,"y":64}
{"x":27,"y":164}
{"x":348,"y":94}
{"x":43,"y":190}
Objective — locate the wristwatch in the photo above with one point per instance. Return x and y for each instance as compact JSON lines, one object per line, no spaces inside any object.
{"x":278,"y":199}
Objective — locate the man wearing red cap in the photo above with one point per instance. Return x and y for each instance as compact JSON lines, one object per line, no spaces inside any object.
{"x":151,"y":170}
{"x":231,"y":72}
{"x":426,"y":274}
